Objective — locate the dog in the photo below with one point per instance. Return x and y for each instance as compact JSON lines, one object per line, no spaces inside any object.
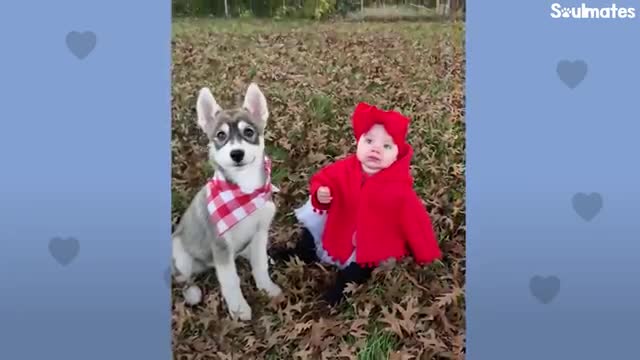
{"x":237,"y":152}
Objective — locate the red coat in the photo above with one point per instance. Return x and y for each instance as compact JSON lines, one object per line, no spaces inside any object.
{"x":383,"y":211}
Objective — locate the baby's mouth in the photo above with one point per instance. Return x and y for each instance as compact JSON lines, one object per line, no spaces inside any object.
{"x":373,"y":158}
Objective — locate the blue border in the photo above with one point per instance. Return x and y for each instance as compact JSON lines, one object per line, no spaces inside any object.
{"x":533,"y":142}
{"x":84,"y":145}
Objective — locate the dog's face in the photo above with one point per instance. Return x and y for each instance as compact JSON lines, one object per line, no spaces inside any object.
{"x":236,"y":136}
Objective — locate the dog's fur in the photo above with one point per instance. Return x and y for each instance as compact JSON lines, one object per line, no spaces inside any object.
{"x":196,"y":247}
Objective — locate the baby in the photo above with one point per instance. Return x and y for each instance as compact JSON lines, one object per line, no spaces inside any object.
{"x":362,"y":209}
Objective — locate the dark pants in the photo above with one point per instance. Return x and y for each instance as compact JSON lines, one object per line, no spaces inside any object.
{"x":305,"y":249}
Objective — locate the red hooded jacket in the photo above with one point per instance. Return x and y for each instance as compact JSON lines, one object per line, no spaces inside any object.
{"x":382,"y":210}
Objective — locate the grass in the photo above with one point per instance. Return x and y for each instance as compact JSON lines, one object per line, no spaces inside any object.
{"x":377,"y":346}
{"x":189,"y":26}
{"x":313,"y":75}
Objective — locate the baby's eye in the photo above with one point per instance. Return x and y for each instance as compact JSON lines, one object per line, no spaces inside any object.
{"x":368,"y":141}
{"x":387,"y":146}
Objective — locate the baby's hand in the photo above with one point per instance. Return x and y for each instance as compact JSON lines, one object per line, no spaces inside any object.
{"x":324,"y":195}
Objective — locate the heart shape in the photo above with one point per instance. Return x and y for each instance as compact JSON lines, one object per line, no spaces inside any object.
{"x":64,"y":250}
{"x":587,"y":205}
{"x":545,"y":289}
{"x":81,"y":44}
{"x":572,"y":73}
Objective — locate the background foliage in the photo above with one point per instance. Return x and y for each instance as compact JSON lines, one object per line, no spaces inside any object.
{"x":309,"y":9}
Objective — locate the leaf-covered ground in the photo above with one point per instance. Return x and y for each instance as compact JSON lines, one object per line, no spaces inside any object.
{"x":313,"y":75}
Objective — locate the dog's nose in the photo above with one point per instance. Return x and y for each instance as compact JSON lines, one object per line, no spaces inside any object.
{"x":237,"y":155}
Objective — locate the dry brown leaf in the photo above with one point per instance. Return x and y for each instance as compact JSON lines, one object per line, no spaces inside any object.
{"x":298,"y":329}
{"x":316,"y":157}
{"x":401,"y":355}
{"x":430,"y":341}
{"x":303,"y":354}
{"x":328,"y":353}
{"x":357,"y":328}
{"x":410,"y":310}
{"x":317,"y":333}
{"x":346,"y":351}
{"x":415,"y":282}
{"x":223,"y":356}
{"x":366,"y":312}
{"x":459,"y":346}
{"x":393,"y":323}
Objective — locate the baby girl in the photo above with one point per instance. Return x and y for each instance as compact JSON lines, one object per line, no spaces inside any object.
{"x":362,"y":209}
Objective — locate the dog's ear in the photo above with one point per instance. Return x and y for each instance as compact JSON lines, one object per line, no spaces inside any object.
{"x":256,"y":103}
{"x":206,"y":107}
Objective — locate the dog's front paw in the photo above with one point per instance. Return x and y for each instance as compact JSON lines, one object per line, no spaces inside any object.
{"x":192,"y":295}
{"x":241,"y":311}
{"x":272,"y":290}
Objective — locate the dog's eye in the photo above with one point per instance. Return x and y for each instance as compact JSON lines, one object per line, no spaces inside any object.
{"x":221,"y":136}
{"x":248,"y":132}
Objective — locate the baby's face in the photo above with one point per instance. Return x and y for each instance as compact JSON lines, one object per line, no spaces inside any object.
{"x":376,"y":149}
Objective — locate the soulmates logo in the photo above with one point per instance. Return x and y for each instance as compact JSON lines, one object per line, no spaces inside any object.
{"x":585,"y":12}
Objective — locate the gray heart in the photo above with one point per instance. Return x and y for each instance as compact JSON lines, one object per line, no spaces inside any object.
{"x":572,"y":72}
{"x":544,"y":289}
{"x":81,"y":44}
{"x":587,"y":206}
{"x":64,"y":250}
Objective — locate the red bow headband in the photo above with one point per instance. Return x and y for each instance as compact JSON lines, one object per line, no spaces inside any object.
{"x":365,"y":116}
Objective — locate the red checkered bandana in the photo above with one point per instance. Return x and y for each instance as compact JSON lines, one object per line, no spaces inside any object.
{"x":228,"y":205}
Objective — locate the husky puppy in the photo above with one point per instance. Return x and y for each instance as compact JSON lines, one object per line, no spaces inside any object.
{"x":237,"y":150}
